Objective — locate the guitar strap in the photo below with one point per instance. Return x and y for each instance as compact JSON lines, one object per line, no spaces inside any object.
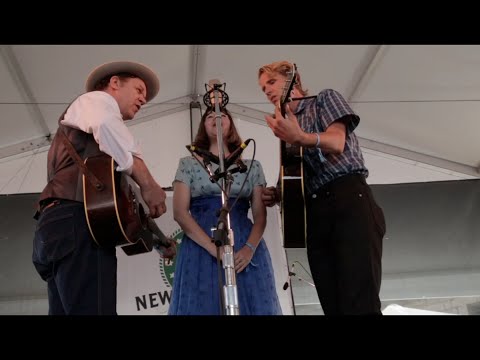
{"x":74,"y":155}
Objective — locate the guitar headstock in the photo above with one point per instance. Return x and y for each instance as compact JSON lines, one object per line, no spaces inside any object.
{"x":287,"y":88}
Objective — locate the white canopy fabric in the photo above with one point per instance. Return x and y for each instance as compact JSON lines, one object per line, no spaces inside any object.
{"x":420,"y":102}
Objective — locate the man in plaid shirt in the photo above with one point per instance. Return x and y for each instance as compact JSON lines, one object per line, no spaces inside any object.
{"x":345,"y":226}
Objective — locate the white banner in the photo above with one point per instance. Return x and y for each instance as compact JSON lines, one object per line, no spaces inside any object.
{"x":145,"y":280}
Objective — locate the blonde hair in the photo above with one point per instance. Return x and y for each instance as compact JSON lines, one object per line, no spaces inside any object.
{"x":283,"y":68}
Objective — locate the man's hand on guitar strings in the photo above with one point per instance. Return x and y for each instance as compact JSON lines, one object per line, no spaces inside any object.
{"x":155,"y":197}
{"x":270,"y":196}
{"x":286,"y":129}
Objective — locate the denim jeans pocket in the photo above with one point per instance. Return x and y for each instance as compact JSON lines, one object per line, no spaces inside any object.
{"x":377,"y":213}
{"x":379,"y":219}
{"x":54,"y":237}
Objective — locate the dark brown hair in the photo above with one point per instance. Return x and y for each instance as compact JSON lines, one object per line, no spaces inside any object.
{"x":233,"y":139}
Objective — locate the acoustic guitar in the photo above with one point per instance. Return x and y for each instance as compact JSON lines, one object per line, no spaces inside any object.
{"x":116,"y":213}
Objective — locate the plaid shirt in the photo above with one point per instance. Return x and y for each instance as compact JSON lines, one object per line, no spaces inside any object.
{"x":316,"y":115}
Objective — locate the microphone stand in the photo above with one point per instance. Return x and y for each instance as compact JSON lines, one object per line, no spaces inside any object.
{"x":223,"y":234}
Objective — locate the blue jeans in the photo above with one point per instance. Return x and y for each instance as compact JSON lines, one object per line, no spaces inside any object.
{"x":81,"y":277}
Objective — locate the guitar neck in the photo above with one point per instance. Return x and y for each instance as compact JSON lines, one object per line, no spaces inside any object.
{"x":159,"y":239}
{"x":287,"y":89}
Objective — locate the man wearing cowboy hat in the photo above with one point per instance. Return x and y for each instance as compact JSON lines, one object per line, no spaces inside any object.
{"x":81,"y":276}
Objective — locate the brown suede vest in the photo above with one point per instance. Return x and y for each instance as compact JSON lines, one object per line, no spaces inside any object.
{"x":64,"y":175}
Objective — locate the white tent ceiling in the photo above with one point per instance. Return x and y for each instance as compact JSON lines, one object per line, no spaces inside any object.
{"x":419,"y":102}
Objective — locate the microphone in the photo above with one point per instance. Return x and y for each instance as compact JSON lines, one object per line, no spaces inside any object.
{"x":241,"y":166}
{"x":207,"y":155}
{"x":209,"y":97}
{"x":232,"y":158}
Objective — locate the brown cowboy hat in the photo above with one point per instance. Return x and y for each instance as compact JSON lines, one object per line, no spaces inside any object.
{"x":143,"y":72}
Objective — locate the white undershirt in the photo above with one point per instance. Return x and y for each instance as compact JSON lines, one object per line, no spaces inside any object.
{"x":97,"y":113}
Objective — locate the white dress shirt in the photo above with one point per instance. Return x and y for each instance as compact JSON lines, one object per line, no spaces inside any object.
{"x":97,"y":113}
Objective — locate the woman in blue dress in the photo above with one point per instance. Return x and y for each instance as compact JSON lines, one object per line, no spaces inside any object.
{"x":196,"y":200}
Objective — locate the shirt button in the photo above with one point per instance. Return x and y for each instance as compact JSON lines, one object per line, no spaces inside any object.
{"x":314,"y":196}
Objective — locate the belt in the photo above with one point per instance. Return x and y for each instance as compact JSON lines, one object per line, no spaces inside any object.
{"x":331,"y":186}
{"x":44,"y":205}
{"x":49,"y":204}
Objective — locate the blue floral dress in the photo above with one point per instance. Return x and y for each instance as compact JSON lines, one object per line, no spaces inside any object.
{"x":196,"y":284}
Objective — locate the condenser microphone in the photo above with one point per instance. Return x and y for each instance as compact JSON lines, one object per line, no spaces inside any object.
{"x":212,"y":84}
{"x":205,"y":154}
{"x":235,"y":154}
{"x":241,"y":166}
{"x":213,"y":89}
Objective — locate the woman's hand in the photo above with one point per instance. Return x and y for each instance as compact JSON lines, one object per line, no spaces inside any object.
{"x":242,"y":258}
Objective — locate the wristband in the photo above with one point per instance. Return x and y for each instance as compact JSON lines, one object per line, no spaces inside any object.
{"x":253,"y":248}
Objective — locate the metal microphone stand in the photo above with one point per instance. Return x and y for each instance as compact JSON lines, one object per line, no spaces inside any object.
{"x":223,"y":234}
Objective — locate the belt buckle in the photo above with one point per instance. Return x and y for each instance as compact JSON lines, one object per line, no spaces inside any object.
{"x":42,"y":209}
{"x":53,"y":203}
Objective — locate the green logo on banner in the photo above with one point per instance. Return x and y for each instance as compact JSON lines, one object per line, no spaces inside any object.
{"x":167,"y":266}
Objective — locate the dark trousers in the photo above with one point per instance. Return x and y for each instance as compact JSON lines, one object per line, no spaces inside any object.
{"x":81,"y":278}
{"x":345,"y":229}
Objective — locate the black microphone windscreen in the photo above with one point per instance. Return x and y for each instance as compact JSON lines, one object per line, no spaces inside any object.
{"x":213,"y":89}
